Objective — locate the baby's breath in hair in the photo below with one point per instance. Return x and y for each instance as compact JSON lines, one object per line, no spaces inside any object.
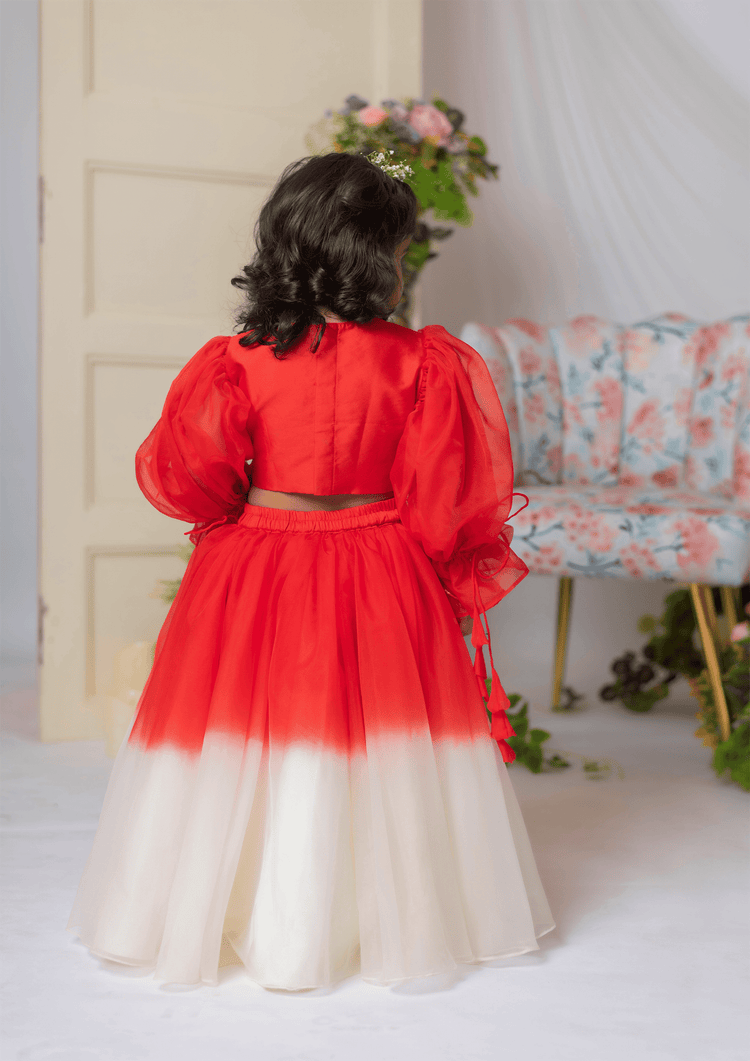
{"x":399,"y":170}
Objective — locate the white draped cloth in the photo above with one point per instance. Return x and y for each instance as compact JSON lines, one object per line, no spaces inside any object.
{"x":625,"y":161}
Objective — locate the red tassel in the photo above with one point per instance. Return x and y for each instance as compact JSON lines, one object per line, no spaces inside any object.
{"x":506,"y":751}
{"x":501,"y":727}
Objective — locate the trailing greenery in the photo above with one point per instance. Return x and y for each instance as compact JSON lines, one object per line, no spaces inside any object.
{"x":731,"y":756}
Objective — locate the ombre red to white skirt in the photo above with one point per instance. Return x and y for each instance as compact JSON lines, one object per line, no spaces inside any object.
{"x":310,"y":775}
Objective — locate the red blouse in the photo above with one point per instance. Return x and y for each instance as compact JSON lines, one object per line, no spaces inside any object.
{"x":376,"y":408}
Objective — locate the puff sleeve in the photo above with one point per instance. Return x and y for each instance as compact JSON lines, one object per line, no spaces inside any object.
{"x":192,"y":465}
{"x":452,"y":479}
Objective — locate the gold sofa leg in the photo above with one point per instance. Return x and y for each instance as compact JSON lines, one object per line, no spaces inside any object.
{"x":700,"y":596}
{"x":564,"y":601}
{"x":729,"y":607}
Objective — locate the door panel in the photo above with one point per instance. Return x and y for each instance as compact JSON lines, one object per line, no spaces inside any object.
{"x":164,"y":124}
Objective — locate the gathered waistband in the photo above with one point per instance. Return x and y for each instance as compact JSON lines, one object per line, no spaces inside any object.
{"x":373,"y":515}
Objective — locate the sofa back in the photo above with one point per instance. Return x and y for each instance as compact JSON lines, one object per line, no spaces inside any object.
{"x":664,"y":402}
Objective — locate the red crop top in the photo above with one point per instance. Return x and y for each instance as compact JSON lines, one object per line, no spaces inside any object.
{"x":376,"y":408}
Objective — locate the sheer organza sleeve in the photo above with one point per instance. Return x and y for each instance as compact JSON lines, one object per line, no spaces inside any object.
{"x":453,"y":484}
{"x":192,"y":465}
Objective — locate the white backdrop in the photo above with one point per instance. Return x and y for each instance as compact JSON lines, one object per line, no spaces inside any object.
{"x":621,"y":127}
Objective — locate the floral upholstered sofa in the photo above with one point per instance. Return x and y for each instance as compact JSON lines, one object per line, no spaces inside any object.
{"x":633,"y":446}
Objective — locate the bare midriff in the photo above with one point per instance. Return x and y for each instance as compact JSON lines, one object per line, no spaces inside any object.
{"x":309,"y":502}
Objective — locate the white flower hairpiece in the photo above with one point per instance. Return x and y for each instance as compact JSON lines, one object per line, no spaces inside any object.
{"x":399,"y":170}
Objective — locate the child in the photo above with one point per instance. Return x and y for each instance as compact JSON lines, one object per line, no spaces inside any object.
{"x":310,"y":777}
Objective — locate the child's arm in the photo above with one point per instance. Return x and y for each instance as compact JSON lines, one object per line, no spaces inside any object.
{"x":193,"y":466}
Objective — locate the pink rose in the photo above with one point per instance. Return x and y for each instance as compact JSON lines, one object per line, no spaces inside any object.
{"x":530,"y":362}
{"x":740,"y":632}
{"x":372,"y":115}
{"x":428,"y":121}
{"x":647,"y":424}
{"x":742,"y":475}
{"x":534,"y":331}
{"x":702,"y":431}
{"x":610,"y":401}
{"x":699,"y":545}
{"x":667,"y":477}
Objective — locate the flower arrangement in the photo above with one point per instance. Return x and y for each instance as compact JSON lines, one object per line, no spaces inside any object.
{"x":442,"y":164}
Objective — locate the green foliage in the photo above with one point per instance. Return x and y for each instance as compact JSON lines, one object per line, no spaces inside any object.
{"x":672,"y":636}
{"x":527,"y":744}
{"x":733,"y":755}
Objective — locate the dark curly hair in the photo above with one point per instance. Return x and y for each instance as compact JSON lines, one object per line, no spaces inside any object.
{"x":326,"y":237}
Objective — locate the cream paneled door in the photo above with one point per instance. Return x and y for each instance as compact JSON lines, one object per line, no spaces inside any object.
{"x":164,"y":124}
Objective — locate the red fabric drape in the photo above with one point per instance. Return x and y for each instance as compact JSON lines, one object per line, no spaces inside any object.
{"x":453,"y":483}
{"x":192,"y":465}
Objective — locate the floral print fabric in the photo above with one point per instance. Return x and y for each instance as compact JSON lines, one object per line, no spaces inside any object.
{"x":627,"y":532}
{"x":633,"y":444}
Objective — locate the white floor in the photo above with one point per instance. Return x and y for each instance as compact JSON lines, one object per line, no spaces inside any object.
{"x":647,"y":877}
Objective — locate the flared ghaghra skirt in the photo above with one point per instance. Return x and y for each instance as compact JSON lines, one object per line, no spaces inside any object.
{"x":309,"y":779}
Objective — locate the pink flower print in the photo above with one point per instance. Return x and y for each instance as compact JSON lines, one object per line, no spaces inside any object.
{"x":533,"y":408}
{"x":585,"y":335}
{"x":648,"y":425}
{"x":610,"y":400}
{"x":667,"y":478}
{"x":574,"y":470}
{"x":638,"y":559}
{"x":545,"y":515}
{"x":637,"y":349}
{"x":705,"y":342}
{"x":511,"y":416}
{"x":614,"y":495}
{"x":692,"y":471}
{"x":372,"y":115}
{"x":530,"y":361}
{"x":699,"y":545}
{"x":649,"y":509}
{"x":554,"y":460}
{"x":534,"y":331}
{"x":631,"y":480}
{"x":741,"y":482}
{"x":571,"y":415}
{"x":681,"y":405}
{"x":430,"y":123}
{"x":701,"y":431}
{"x":735,"y":367}
{"x":552,"y":373}
{"x":498,"y":372}
{"x":548,"y":560}
{"x":729,"y":415}
{"x":588,"y":530}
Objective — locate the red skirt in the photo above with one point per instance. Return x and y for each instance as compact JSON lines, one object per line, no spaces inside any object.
{"x":309,"y":786}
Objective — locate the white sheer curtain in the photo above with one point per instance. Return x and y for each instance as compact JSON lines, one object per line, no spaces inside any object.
{"x":625,"y":163}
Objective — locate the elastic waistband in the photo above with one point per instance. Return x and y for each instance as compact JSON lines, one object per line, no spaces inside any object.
{"x":373,"y":515}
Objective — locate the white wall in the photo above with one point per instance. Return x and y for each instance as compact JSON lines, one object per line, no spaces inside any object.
{"x":19,"y":97}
